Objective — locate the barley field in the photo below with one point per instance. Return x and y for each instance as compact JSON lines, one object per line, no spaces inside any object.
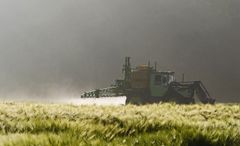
{"x":31,"y":124}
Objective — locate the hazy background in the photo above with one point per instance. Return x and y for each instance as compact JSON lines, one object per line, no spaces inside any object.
{"x":56,"y":48}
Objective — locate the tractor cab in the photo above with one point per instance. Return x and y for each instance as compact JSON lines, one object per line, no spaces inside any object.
{"x":163,"y":78}
{"x":160,"y":81}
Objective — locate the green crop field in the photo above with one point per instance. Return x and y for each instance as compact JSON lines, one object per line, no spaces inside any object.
{"x":30,"y":124}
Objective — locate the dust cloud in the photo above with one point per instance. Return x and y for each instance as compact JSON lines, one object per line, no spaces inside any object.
{"x":58,"y":48}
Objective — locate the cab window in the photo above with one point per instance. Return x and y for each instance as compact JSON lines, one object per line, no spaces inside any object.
{"x":158,"y":80}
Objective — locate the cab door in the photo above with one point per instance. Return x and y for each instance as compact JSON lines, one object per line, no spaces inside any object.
{"x":159,"y":84}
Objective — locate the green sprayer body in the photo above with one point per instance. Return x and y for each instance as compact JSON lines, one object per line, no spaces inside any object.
{"x":144,"y":85}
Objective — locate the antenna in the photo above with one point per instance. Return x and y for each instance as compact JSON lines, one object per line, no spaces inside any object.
{"x":155,"y":65}
{"x":183,"y":76}
{"x":127,"y":71}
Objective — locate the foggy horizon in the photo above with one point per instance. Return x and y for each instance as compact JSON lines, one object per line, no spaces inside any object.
{"x":61,"y":48}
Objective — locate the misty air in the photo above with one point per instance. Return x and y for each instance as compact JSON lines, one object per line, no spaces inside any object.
{"x":122,"y":72}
